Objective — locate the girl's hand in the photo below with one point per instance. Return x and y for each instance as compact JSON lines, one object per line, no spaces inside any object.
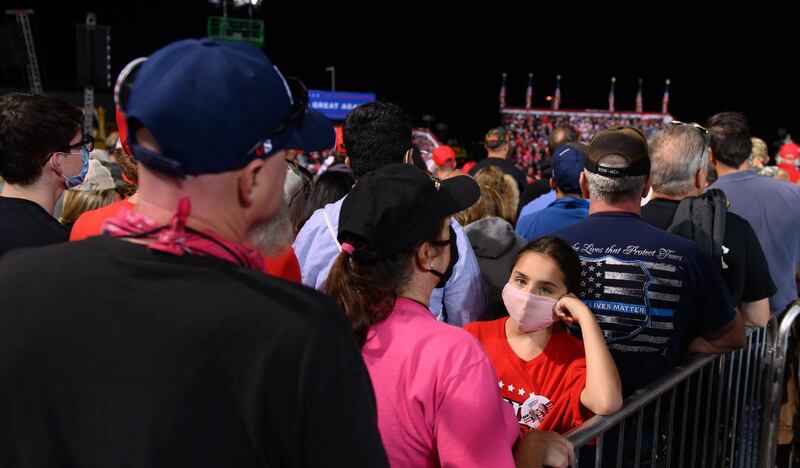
{"x":571,"y":310}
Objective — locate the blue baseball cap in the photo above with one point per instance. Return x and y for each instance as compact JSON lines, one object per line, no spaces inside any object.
{"x":567,"y":166}
{"x":215,"y":106}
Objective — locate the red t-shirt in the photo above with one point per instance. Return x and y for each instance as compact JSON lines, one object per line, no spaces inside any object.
{"x":545,"y":391}
{"x":283,"y":265}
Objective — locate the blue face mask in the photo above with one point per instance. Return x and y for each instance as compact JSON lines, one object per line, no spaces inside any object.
{"x":76,"y":180}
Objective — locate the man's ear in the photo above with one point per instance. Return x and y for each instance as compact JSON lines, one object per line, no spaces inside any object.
{"x":53,"y":164}
{"x":711,"y":156}
{"x":552,"y":184}
{"x":248,"y":182}
{"x":700,"y":178}
{"x":584,"y":185}
{"x":647,"y":184}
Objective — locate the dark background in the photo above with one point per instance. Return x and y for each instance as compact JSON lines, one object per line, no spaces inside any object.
{"x":446,"y":60}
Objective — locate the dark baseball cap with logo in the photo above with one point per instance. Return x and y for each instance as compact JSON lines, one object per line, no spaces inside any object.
{"x":627,"y":142}
{"x":392,"y":208}
{"x":496,"y":137}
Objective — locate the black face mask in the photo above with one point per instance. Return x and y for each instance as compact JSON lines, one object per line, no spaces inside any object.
{"x":444,"y":277}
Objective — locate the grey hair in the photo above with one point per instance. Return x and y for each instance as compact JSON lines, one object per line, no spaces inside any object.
{"x":614,"y":190}
{"x":677,"y":154}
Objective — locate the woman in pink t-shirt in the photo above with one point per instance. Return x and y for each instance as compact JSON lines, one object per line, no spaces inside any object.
{"x":436,"y":393}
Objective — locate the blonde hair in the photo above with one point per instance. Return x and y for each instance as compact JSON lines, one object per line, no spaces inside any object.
{"x":77,"y":202}
{"x":489,"y":204}
{"x":505,"y":186}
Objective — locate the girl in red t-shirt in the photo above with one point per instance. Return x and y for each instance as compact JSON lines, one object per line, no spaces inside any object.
{"x":553,"y":380}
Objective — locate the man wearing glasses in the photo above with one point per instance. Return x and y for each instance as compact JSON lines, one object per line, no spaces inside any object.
{"x":679,"y":154}
{"x":42,"y":153}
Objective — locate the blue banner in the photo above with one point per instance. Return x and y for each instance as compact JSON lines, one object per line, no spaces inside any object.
{"x":337,"y":105}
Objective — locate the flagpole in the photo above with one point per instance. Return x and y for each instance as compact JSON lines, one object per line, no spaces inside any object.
{"x":529,"y":92}
{"x":503,"y":92}
{"x":639,"y":98}
{"x":611,"y":94}
{"x":557,"y":96}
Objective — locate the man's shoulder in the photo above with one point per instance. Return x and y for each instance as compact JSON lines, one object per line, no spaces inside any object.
{"x":82,"y":262}
{"x":317,"y":225}
{"x":636,"y":230}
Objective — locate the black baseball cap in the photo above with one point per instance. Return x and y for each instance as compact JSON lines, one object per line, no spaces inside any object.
{"x":496,"y":137}
{"x":392,"y":208}
{"x":627,"y":142}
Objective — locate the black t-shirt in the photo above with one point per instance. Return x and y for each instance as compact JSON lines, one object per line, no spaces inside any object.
{"x":506,"y":166}
{"x":747,"y":274}
{"x":139,"y":358}
{"x":24,"y":223}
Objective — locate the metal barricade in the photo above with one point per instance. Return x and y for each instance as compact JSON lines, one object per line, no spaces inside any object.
{"x":712,"y":411}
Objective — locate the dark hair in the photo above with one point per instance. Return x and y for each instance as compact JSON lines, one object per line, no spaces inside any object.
{"x":330,"y":187}
{"x":563,"y":254}
{"x":730,"y":138}
{"x":299,"y":202}
{"x":365,"y":285}
{"x":31,"y":127}
{"x":375,"y":135}
{"x":561,"y":136}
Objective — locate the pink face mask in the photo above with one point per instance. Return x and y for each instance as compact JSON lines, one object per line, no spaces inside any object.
{"x":529,"y":311}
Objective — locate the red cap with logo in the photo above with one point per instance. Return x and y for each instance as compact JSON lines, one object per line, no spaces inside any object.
{"x":444,"y":156}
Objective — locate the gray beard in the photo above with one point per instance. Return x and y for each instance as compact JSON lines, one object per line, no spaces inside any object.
{"x":274,"y":236}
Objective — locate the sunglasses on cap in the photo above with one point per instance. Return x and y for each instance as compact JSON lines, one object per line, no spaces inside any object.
{"x":298,"y":95}
{"x":700,"y":128}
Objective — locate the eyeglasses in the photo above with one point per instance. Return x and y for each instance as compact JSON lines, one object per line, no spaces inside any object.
{"x":298,"y":109}
{"x":86,"y":143}
{"x":703,"y":132}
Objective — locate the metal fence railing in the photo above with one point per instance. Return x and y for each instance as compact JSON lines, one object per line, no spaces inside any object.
{"x":712,"y":411}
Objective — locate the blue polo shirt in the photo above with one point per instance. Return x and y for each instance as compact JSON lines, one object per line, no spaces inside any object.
{"x":772,"y":207}
{"x":558,"y":215}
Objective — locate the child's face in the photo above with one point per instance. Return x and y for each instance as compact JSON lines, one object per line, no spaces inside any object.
{"x":538,"y":274}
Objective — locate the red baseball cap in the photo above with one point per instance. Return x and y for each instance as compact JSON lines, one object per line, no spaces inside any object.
{"x":790,"y":152}
{"x":444,"y":156}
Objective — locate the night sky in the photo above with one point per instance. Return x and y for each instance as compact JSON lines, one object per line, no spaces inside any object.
{"x":447,"y":61}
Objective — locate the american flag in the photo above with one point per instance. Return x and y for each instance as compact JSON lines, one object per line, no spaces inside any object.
{"x":529,"y":92}
{"x":634,"y":301}
{"x":665,"y":99}
{"x":639,"y":99}
{"x":611,"y":96}
{"x":557,"y":95}
{"x":503,"y":92}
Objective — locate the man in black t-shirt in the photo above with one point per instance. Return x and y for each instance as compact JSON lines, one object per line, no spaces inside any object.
{"x":42,"y":152}
{"x":497,"y":145}
{"x":163,"y":344}
{"x":679,"y":160}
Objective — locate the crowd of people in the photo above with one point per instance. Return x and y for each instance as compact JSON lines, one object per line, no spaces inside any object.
{"x":530,"y":132}
{"x":205,"y":299}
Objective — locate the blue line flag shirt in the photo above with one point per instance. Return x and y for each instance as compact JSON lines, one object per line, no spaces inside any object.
{"x":652,"y":292}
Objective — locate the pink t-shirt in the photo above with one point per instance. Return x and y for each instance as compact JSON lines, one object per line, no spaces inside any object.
{"x":438,"y":399}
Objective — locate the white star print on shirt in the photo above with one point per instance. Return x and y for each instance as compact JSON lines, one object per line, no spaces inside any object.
{"x":501,"y":384}
{"x":510,"y":388}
